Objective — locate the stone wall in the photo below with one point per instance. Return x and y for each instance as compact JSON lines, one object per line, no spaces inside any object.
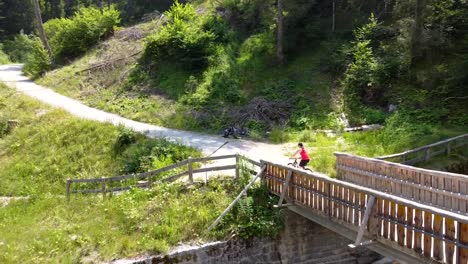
{"x":302,"y":241}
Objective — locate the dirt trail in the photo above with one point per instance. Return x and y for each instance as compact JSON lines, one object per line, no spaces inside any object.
{"x":13,"y":77}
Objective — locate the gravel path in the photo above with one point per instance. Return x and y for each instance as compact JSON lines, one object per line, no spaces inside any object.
{"x":13,"y":77}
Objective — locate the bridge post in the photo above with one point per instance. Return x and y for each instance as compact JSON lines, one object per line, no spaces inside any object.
{"x":68,"y":188}
{"x":190,"y":170}
{"x":238,"y":164}
{"x":103,"y":187}
{"x":363,"y":226}
{"x":285,"y":187}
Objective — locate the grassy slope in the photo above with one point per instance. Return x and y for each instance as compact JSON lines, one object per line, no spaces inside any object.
{"x":50,"y":146}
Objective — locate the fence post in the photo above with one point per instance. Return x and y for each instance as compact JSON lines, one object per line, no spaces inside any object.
{"x":68,"y":188}
{"x":103,"y":187}
{"x":238,"y":161}
{"x":150,"y":180}
{"x":190,"y":169}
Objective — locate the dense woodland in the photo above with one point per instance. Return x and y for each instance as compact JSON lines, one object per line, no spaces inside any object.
{"x":295,"y":64}
{"x":285,"y":69}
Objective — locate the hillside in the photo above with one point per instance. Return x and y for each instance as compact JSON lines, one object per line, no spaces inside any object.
{"x":46,"y":146}
{"x":209,"y":65}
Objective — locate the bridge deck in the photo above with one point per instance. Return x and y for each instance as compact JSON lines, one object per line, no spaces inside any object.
{"x":401,"y":228}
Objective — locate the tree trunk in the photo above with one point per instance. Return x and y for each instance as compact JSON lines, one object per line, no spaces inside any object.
{"x":333,"y":16}
{"x":417,"y":30}
{"x":40,"y":27}
{"x":279,"y":45}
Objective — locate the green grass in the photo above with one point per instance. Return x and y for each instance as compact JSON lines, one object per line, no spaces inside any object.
{"x":48,"y":229}
{"x":50,"y":146}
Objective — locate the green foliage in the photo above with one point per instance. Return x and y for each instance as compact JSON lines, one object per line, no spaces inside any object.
{"x":50,"y":146}
{"x":70,"y":37}
{"x":150,"y":154}
{"x":361,"y":83}
{"x":88,"y":228}
{"x":38,"y":61}
{"x":20,"y":47}
{"x":183,"y":40}
{"x":4,"y":58}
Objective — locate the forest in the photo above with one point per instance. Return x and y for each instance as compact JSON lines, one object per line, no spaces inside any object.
{"x":218,"y":60}
{"x":287,"y":70}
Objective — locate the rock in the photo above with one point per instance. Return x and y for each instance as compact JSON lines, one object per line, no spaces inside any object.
{"x":392,"y":108}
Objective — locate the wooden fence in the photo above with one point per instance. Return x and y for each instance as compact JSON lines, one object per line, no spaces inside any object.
{"x":427,"y":232}
{"x":425,"y":153}
{"x":441,"y":189}
{"x":147,"y":179}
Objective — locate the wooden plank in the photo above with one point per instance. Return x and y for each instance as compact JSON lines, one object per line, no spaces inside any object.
{"x":462,"y":204}
{"x":427,"y":178}
{"x":393,"y":213}
{"x":409,"y":231}
{"x":450,"y":233}
{"x":374,"y":220}
{"x":386,"y":223}
{"x":401,"y":213}
{"x":327,"y":203}
{"x":463,"y":252}
{"x":285,"y":188}
{"x":438,"y":244}
{"x":365,"y":219}
{"x":418,"y":223}
{"x":455,"y":201}
{"x":427,"y":238}
{"x":448,"y":188}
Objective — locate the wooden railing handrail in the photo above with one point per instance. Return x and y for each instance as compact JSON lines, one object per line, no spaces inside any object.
{"x":190,"y":172}
{"x":404,"y":166}
{"x":423,"y":148}
{"x":377,"y":194}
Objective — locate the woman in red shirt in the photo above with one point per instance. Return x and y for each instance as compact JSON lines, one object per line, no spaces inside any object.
{"x":304,"y":156}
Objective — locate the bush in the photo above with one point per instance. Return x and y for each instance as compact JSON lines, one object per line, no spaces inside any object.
{"x":38,"y":61}
{"x":20,"y":47}
{"x":4,"y":59}
{"x":183,"y":39}
{"x":71,"y":37}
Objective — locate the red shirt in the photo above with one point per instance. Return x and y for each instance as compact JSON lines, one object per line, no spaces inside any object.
{"x":304,"y":155}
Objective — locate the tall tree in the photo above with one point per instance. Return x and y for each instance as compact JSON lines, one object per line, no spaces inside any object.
{"x":37,"y":11}
{"x":280,"y":33}
{"x":417,"y":30}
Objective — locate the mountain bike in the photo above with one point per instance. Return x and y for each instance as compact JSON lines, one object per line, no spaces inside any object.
{"x":295,"y":164}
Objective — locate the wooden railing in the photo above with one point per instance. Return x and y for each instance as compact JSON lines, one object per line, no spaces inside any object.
{"x":441,"y":189}
{"x":415,"y":229}
{"x":147,"y":179}
{"x":425,"y":153}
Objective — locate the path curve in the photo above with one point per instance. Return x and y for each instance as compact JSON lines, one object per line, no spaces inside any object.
{"x":12,"y":75}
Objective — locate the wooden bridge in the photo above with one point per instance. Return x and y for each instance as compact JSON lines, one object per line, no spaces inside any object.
{"x":411,"y":214}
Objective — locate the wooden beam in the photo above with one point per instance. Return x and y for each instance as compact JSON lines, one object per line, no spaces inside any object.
{"x":242,"y":193}
{"x":363,"y":225}
{"x":285,"y":188}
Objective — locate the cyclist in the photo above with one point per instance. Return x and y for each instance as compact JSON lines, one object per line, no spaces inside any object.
{"x":304,"y":156}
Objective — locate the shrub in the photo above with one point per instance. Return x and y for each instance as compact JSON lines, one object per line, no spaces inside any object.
{"x":182,"y":40}
{"x":38,"y":61}
{"x":4,"y":59}
{"x":20,"y":47}
{"x":71,"y":37}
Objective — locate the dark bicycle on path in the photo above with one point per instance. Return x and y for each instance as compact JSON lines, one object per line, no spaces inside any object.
{"x":295,"y":164}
